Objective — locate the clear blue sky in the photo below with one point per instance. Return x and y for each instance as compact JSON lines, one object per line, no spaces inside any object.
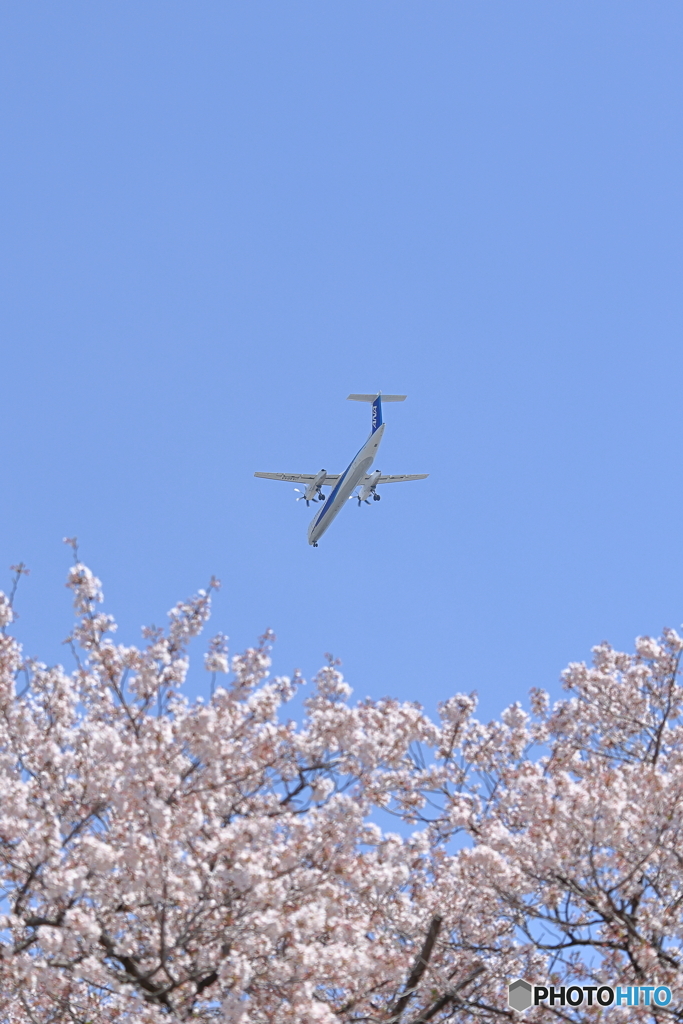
{"x":220,"y":218}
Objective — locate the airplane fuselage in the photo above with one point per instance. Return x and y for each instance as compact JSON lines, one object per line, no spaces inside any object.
{"x":343,"y":489}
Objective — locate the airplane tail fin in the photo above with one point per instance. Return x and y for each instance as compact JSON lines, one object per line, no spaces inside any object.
{"x":376,"y":401}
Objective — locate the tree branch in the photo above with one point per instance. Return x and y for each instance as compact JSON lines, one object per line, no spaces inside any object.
{"x":419,"y":967}
{"x":450,"y":996}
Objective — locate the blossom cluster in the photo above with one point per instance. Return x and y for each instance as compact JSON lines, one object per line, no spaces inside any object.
{"x":171,"y":860}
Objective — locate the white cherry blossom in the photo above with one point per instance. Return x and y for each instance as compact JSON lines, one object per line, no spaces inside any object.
{"x":168,"y":860}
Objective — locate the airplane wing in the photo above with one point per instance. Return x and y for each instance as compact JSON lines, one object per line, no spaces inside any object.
{"x":400,"y":479}
{"x":298,"y":478}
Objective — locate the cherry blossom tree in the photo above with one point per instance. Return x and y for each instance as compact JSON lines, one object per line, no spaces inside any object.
{"x":163,"y":860}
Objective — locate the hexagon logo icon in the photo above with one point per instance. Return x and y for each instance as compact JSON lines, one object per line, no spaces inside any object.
{"x":519,"y":995}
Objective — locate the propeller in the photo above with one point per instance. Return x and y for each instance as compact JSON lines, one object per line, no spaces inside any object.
{"x":302,"y":497}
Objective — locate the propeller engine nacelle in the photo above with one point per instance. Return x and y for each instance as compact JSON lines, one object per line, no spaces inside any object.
{"x":313,"y":492}
{"x":367,"y":490}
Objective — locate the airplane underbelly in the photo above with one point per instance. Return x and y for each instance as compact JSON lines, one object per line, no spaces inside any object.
{"x":336,"y":501}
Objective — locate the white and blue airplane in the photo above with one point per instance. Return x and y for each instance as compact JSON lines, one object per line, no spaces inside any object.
{"x":355,"y":475}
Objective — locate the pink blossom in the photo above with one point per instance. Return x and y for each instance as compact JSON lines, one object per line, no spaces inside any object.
{"x":168,"y":860}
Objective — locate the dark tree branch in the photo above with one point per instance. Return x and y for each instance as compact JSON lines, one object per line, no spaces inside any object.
{"x":451,"y":996}
{"x":419,"y":967}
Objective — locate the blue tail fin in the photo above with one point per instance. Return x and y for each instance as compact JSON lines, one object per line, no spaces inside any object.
{"x":376,"y":413}
{"x":377,"y":405}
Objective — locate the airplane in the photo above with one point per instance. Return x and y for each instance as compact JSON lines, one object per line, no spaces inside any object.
{"x":344,"y":484}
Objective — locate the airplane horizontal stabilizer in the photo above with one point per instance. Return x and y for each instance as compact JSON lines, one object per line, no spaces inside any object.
{"x":371,"y":398}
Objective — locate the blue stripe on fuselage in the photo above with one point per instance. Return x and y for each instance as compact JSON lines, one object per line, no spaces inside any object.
{"x":372,"y":444}
{"x":333,"y":493}
{"x":335,"y":490}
